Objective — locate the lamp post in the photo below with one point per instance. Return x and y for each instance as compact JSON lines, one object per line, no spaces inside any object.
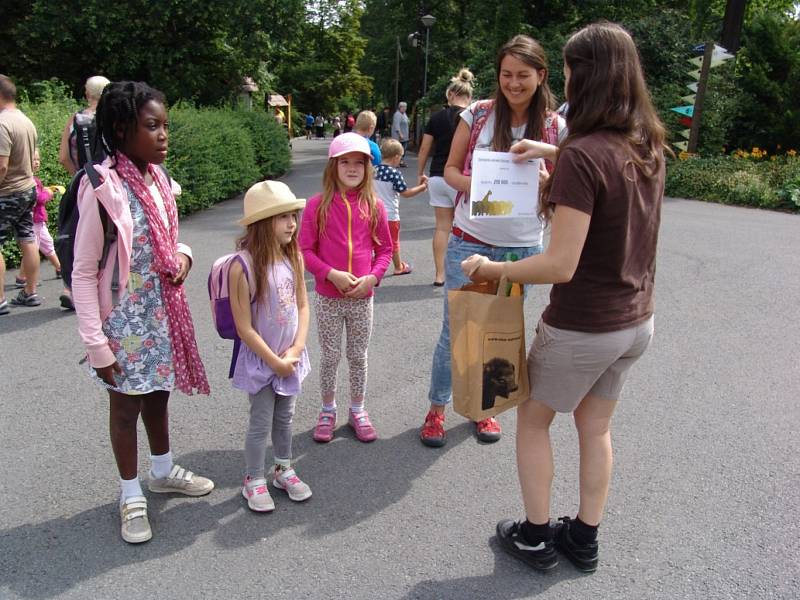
{"x":428,"y":22}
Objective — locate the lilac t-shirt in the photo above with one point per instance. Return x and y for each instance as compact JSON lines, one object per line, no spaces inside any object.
{"x":276,"y":323}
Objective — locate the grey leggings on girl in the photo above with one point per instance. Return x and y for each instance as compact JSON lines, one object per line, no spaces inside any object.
{"x":268,"y":410}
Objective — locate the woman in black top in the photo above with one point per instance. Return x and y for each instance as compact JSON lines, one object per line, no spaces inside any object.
{"x":438,"y":135}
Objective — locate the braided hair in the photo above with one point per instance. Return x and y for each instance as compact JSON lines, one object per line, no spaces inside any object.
{"x":118,"y":110}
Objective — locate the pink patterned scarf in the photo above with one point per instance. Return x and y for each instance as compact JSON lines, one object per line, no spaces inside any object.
{"x":189,"y":371}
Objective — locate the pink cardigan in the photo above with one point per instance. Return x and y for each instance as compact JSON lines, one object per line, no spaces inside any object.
{"x":91,"y":289}
{"x":346,"y":244}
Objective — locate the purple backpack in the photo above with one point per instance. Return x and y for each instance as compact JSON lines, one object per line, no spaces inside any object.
{"x":219,"y":295}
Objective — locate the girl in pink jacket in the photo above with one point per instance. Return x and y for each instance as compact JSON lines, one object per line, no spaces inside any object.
{"x":138,"y":335}
{"x":347,"y":247}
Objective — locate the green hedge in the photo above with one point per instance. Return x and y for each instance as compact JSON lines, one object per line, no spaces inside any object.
{"x":214,"y":153}
{"x":743,"y":178}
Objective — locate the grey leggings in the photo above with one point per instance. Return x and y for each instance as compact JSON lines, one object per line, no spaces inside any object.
{"x":268,"y":410}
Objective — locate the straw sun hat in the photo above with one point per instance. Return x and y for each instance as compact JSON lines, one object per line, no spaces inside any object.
{"x":268,"y":198}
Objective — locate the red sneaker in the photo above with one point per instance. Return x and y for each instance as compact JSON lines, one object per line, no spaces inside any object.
{"x":488,"y":431}
{"x":432,"y":433}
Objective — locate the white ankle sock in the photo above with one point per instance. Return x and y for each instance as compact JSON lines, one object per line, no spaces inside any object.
{"x":129,"y":488}
{"x":357,"y":408}
{"x":160,"y":466}
{"x":331,"y":408}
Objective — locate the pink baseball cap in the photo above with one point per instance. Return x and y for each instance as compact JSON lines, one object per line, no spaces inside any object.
{"x":348,"y":142}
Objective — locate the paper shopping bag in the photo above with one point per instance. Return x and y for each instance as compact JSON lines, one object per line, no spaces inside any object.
{"x":487,"y":344}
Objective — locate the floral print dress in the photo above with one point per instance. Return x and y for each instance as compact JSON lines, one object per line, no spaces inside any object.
{"x":137,"y":328}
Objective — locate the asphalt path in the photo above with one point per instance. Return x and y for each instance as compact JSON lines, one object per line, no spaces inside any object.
{"x":703,"y":500}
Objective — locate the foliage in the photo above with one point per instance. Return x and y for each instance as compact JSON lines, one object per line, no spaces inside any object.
{"x":189,"y":49}
{"x":747,"y":178}
{"x":214,"y":153}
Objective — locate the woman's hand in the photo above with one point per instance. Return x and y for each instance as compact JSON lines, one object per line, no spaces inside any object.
{"x":285,"y":365}
{"x":527,"y":149}
{"x":185,"y":266}
{"x":107,"y":373}
{"x":362,"y":287}
{"x":472,"y":268}
{"x":343,"y":280}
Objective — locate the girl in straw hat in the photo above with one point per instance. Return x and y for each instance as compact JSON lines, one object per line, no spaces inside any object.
{"x":270,"y":310}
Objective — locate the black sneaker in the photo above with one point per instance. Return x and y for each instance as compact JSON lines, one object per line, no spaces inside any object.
{"x":584,"y":556}
{"x":66,"y":302}
{"x":542,"y":556}
{"x":24,"y":299}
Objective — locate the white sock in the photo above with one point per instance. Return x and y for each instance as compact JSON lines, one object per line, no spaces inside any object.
{"x":129,"y":488}
{"x":160,"y":466}
{"x":357,"y":408}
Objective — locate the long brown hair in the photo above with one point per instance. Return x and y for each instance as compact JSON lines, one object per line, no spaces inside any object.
{"x":366,"y":200}
{"x":265,"y":250}
{"x":606,"y":91}
{"x":530,"y":52}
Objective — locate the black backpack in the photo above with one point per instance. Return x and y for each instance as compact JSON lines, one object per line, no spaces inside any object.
{"x":87,"y":146}
{"x":67,"y":223}
{"x":68,"y":216}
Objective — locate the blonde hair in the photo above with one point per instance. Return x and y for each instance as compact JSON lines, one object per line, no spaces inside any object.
{"x":366,"y":120}
{"x":461,"y":84}
{"x":366,"y":198}
{"x":94,"y":87}
{"x":390,"y":148}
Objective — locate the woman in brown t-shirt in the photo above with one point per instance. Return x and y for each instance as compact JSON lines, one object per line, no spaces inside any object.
{"x":604,"y":204}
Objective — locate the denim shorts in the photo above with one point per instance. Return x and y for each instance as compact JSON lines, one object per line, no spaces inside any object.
{"x":564,"y":366}
{"x":16,"y":216}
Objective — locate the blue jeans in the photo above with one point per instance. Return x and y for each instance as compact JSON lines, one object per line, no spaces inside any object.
{"x":441,"y":390}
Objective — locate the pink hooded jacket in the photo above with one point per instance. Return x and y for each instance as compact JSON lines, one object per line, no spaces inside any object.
{"x":346,"y":245}
{"x":91,"y":288}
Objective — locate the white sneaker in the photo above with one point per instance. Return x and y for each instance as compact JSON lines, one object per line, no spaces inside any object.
{"x":287,"y":479}
{"x":257,"y":495}
{"x":135,"y":525}
{"x":181,"y":481}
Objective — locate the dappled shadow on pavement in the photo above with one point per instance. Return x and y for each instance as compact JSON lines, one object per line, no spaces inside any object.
{"x":510,"y":579}
{"x":351,"y":481}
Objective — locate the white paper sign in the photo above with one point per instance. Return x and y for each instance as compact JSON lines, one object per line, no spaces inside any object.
{"x":501,"y":188}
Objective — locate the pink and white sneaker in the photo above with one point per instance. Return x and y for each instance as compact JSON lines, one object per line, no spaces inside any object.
{"x":287,"y":480}
{"x":257,"y":495}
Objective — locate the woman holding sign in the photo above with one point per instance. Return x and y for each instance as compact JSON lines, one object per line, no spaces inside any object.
{"x":604,"y":205}
{"x":521,"y":109}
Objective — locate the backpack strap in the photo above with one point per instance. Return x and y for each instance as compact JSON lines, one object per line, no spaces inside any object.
{"x":550,"y":135}
{"x":480,"y":115}
{"x":237,"y":341}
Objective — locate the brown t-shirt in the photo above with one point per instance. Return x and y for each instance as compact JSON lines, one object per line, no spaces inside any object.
{"x":612,"y":287}
{"x":18,"y":143}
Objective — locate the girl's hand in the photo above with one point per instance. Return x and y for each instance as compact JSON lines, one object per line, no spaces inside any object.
{"x":183,"y":271}
{"x":471,"y":267}
{"x":527,"y":149}
{"x":363,"y":287}
{"x":107,"y":373}
{"x":343,"y":280}
{"x":285,"y":366}
{"x":293,"y":352}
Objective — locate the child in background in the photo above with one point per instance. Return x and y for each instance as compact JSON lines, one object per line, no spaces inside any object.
{"x":43,"y":238}
{"x":347,"y":247}
{"x":139,"y":337}
{"x":270,"y":309}
{"x":389,"y":186}
{"x":365,"y":127}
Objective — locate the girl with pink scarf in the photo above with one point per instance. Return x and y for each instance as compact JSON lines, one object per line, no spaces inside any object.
{"x":138,"y":334}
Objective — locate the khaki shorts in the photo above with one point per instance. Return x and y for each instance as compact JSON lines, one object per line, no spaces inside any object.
{"x":565,"y":366}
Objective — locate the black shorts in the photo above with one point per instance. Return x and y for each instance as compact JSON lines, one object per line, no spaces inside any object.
{"x":16,"y":216}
